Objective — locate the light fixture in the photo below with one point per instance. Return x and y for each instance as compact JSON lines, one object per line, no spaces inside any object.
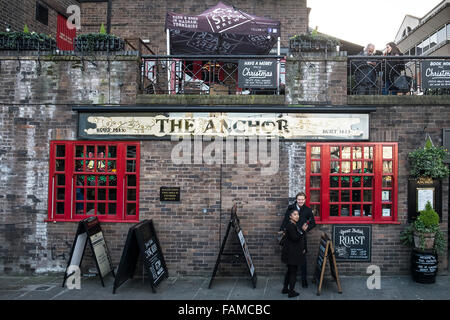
{"x":8,"y":28}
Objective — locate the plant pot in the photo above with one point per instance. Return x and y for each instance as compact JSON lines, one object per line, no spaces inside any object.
{"x":424,"y":265}
{"x":428,"y":243}
{"x":20,"y":43}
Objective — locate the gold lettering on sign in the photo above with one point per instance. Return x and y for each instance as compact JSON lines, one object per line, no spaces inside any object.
{"x":424,"y":180}
{"x":223,"y":125}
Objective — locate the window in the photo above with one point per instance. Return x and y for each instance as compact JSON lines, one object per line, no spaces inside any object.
{"x":448,"y":31}
{"x":94,"y":178}
{"x":42,"y":14}
{"x":441,"y":35}
{"x":433,"y":40}
{"x":352,"y":182}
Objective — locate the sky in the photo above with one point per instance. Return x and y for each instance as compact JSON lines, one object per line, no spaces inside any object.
{"x":365,"y":21}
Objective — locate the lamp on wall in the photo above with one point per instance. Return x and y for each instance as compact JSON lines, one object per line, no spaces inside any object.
{"x":8,"y":28}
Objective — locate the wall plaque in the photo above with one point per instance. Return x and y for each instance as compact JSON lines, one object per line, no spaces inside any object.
{"x":169,"y":194}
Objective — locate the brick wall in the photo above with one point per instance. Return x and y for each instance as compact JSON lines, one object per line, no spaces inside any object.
{"x":36,"y":109}
{"x":316,"y":79}
{"x":145,"y":19}
{"x":18,"y":13}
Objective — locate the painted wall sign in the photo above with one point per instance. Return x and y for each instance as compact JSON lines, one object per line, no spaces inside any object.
{"x":435,"y":74}
{"x":257,"y":74}
{"x":313,"y":126}
{"x":353,"y":243}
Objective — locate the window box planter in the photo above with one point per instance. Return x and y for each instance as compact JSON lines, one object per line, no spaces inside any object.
{"x":98,"y":42}
{"x":26,"y":41}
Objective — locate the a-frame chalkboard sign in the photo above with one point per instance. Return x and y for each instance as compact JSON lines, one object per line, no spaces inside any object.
{"x":89,"y":230}
{"x":142,"y":241}
{"x":234,"y":222}
{"x":326,"y":253}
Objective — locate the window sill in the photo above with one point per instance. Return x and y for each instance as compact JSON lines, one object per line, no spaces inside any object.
{"x":357,"y":222}
{"x":101,"y":220}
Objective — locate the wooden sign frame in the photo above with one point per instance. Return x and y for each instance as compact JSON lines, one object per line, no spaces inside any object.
{"x":142,"y":241}
{"x":244,"y":255}
{"x":326,"y":253}
{"x":89,"y":230}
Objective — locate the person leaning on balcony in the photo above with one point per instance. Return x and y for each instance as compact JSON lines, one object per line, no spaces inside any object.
{"x":393,"y":68}
{"x":366,"y":72}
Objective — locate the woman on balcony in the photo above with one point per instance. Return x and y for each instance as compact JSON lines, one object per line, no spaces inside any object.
{"x":393,"y":68}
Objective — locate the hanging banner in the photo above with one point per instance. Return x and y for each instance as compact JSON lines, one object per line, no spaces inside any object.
{"x":64,"y":35}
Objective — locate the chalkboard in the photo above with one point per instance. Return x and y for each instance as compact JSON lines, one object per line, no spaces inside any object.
{"x":89,"y":230}
{"x":257,"y":73}
{"x":353,"y":243}
{"x":234,"y":223}
{"x":324,"y":255}
{"x":142,"y":241}
{"x":435,"y":74}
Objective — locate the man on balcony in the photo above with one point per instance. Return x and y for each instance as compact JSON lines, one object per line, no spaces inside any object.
{"x":365,"y":72}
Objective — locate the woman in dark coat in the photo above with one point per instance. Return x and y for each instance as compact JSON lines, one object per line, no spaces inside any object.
{"x":393,"y":68}
{"x":293,"y":253}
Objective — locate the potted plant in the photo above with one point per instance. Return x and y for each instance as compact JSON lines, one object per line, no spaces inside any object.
{"x":428,"y":162}
{"x":424,"y":233}
{"x":101,"y":41}
{"x":26,"y":40}
{"x":313,"y":42}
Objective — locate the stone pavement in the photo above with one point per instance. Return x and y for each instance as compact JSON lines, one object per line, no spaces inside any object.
{"x":49,"y":287}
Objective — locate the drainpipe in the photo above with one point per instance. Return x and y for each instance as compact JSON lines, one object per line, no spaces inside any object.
{"x":108,"y":17}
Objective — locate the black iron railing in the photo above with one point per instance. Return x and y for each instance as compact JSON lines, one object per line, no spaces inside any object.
{"x":393,"y":75}
{"x":185,"y":74}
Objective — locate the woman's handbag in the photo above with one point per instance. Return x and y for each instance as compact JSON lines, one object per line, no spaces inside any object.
{"x":402,"y":83}
{"x":281,"y":237}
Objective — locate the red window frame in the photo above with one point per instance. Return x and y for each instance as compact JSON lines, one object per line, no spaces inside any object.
{"x":98,"y":178}
{"x":352,"y":182}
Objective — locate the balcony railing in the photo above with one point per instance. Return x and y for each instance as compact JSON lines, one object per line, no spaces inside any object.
{"x":393,"y":75}
{"x":203,"y":75}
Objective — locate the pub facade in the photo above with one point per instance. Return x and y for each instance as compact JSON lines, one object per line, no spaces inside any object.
{"x":86,"y":137}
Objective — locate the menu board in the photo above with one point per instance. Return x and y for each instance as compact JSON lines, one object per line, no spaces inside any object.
{"x":257,"y":74}
{"x":101,"y":253}
{"x":234,"y":224}
{"x":352,"y":242}
{"x":435,"y":74}
{"x":142,"y":241}
{"x":89,"y":230}
{"x":424,"y":195}
{"x":326,"y":254}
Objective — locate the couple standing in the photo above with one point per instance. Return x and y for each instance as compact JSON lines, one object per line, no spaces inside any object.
{"x":298,"y":220}
{"x":365,"y":71}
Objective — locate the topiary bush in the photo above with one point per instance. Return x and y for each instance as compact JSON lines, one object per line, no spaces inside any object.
{"x":426,"y":222}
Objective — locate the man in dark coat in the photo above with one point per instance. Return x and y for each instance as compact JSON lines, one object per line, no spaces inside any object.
{"x":305,"y":223}
{"x":366,"y":72}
